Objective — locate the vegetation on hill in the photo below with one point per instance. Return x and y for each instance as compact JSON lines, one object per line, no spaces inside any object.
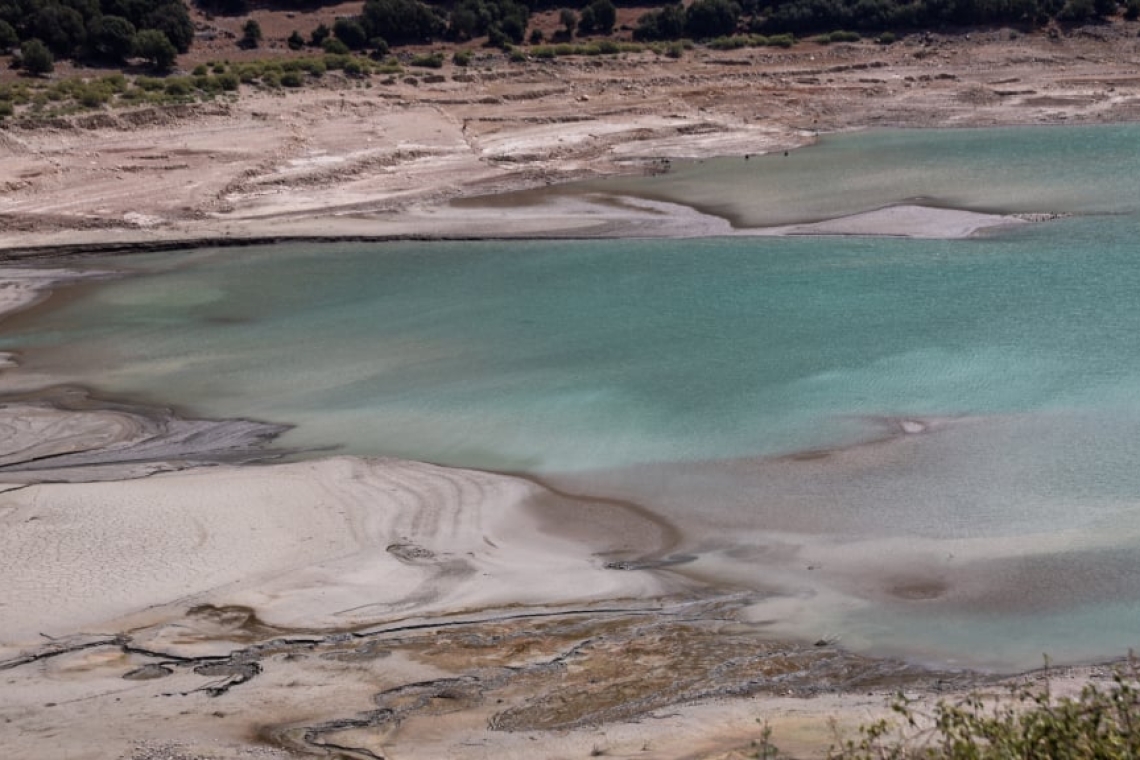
{"x":112,"y":31}
{"x":102,"y":30}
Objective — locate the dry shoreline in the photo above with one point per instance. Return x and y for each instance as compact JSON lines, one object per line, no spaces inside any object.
{"x":379,"y":608}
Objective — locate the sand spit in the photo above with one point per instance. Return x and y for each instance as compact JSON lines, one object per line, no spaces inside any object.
{"x":62,"y":434}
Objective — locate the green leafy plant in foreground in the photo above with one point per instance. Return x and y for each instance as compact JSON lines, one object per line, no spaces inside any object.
{"x":1030,"y":724}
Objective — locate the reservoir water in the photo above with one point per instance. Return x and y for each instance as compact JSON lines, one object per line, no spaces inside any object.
{"x":692,"y":375}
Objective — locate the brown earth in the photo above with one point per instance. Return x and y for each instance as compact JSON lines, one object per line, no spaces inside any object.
{"x":384,"y":157}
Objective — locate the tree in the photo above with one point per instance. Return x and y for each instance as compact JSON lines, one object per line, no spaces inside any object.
{"x":665,"y":24}
{"x":599,"y":16}
{"x":711,"y":18}
{"x":112,"y":38}
{"x":62,"y":29}
{"x":35,"y":58}
{"x":8,"y":38}
{"x":173,"y":20}
{"x":153,"y":45}
{"x":319,"y":35}
{"x":400,"y":21}
{"x":295,"y":41}
{"x":250,"y":34}
{"x":351,"y":32}
{"x":569,"y":19}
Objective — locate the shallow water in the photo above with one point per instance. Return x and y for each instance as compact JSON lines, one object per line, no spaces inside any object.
{"x":678,"y":373}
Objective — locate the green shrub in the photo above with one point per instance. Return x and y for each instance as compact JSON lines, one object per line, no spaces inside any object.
{"x":315,"y":66}
{"x":251,"y":35}
{"x":35,"y":58}
{"x":516,"y":55}
{"x":292,"y":79}
{"x":334,"y":46}
{"x":178,"y":87}
{"x":1132,"y":10}
{"x":782,"y":40}
{"x":228,"y":82}
{"x":463,"y":57}
{"x":6,"y":109}
{"x":149,"y":84}
{"x":93,"y":97}
{"x":886,"y":38}
{"x":114,"y":82}
{"x":428,"y":61}
{"x":1031,"y":723}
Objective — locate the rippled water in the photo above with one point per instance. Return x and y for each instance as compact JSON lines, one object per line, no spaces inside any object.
{"x":680,"y":372}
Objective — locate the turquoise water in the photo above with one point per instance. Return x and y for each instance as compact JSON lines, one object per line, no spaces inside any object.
{"x":1089,"y":169}
{"x":654,"y":369}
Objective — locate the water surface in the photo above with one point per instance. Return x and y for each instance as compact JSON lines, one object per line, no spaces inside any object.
{"x":683,"y":373}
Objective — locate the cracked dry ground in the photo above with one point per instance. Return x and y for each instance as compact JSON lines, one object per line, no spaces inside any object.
{"x":515,"y":671}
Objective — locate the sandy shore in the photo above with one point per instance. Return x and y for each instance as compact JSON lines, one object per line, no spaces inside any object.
{"x":387,"y":161}
{"x":190,"y":608}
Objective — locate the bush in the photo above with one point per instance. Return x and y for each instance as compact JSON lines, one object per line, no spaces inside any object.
{"x":292,"y":79}
{"x":228,"y":82}
{"x":334,"y":46}
{"x":35,"y":58}
{"x":463,"y":57}
{"x":665,"y":24}
{"x":887,"y":38}
{"x":154,"y":46}
{"x":597,"y":17}
{"x":351,"y":32}
{"x":6,"y":109}
{"x":295,"y":41}
{"x":1031,"y":724}
{"x":400,"y":21}
{"x":428,"y":61}
{"x":8,"y":38}
{"x":112,"y":38}
{"x":319,"y":35}
{"x":711,"y":18}
{"x":1132,"y":10}
{"x":178,"y":87}
{"x":250,"y":34}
